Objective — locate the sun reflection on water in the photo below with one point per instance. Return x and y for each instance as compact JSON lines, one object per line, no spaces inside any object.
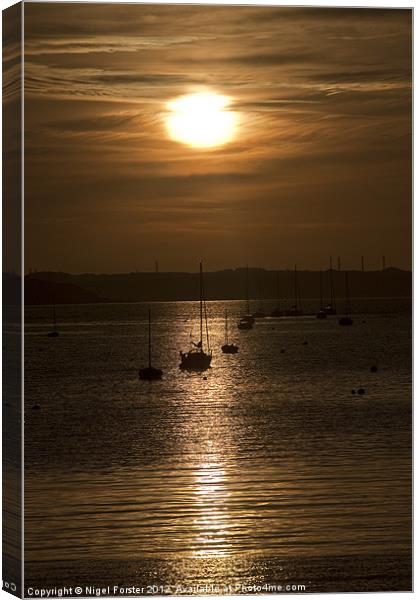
{"x":211,"y":500}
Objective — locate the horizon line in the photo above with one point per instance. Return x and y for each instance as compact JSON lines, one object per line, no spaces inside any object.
{"x":223,"y":270}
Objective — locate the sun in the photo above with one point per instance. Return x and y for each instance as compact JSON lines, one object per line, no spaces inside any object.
{"x":201,"y":120}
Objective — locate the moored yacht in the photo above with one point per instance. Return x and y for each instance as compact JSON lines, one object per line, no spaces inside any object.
{"x":150,"y":373}
{"x":330,"y":308}
{"x":295,"y":310}
{"x":347,"y":318}
{"x":196,"y":359}
{"x":54,"y":332}
{"x":228,"y":348}
{"x":322,"y":313}
{"x":247,"y":321}
{"x":260,"y":313}
{"x":277,"y":311}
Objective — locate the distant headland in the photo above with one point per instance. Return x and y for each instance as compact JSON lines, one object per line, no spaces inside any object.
{"x":65,"y":288}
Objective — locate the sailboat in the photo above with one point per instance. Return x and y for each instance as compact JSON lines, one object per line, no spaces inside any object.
{"x":226,"y":347}
{"x":248,"y":320}
{"x":295,"y":310}
{"x":322,"y":314}
{"x":260,"y":313}
{"x":150,"y":373}
{"x":346,"y":319}
{"x":54,"y":333}
{"x":197,"y":359}
{"x":277,"y":312}
{"x":331,"y":307}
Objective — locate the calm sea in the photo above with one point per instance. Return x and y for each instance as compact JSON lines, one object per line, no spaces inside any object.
{"x":264,"y":470}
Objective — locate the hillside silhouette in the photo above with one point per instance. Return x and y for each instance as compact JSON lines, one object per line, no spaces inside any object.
{"x":59,"y":288}
{"x":39,"y":291}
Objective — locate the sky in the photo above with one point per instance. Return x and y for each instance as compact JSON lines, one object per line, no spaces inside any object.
{"x":320,"y":163}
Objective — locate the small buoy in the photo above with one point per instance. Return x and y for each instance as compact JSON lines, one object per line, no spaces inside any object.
{"x":282,"y":351}
{"x":205,"y":378}
{"x":361,"y":391}
{"x":305,"y":343}
{"x":353,"y":392}
{"x":373,"y":369}
{"x":36,"y":407}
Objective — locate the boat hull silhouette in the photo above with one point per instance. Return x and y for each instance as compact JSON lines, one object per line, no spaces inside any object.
{"x":150,"y":373}
{"x":195,"y":360}
{"x":230,"y":348}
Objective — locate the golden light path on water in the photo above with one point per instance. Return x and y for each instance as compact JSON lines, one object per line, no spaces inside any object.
{"x":260,"y":457}
{"x":211,"y":487}
{"x":211,"y":495}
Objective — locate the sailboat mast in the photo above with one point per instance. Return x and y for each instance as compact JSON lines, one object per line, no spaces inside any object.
{"x":348,"y":301}
{"x":247,"y":290}
{"x":332,"y":287}
{"x":295,"y":287}
{"x":321,"y":290}
{"x":226,"y":328}
{"x":200,"y":303}
{"x":149,"y":337}
{"x":54,"y":318}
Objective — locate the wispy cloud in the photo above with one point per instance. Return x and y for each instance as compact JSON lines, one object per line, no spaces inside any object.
{"x":324,"y":100}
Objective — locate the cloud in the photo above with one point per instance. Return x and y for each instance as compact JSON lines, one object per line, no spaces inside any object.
{"x":324,"y":99}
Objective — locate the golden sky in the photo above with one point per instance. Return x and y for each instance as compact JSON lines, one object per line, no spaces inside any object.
{"x":320,"y":163}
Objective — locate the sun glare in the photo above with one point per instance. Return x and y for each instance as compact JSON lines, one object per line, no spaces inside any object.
{"x":201,"y":120}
